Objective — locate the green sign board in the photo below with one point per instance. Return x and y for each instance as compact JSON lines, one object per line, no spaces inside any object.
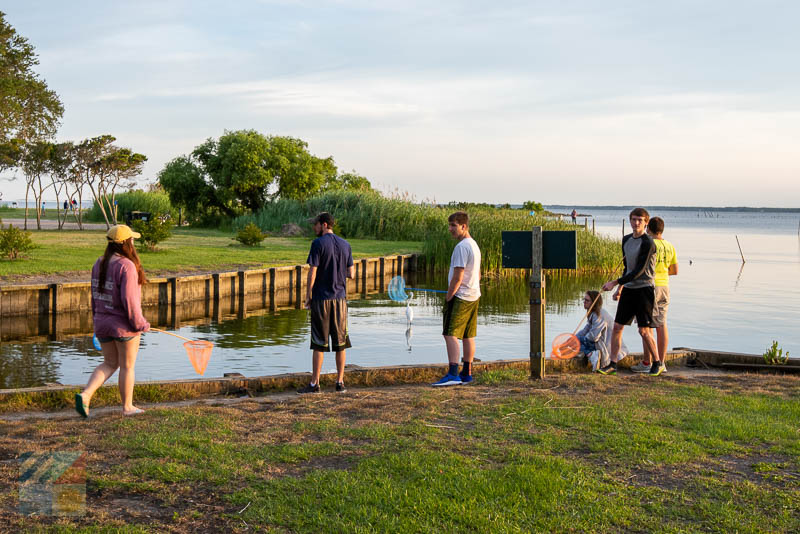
{"x":559,"y":249}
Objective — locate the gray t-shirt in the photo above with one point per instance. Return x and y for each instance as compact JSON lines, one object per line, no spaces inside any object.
{"x":640,"y":261}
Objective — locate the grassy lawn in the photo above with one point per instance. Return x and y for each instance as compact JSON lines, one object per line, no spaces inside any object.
{"x":187,"y":250}
{"x":49,"y":214}
{"x":572,"y":453}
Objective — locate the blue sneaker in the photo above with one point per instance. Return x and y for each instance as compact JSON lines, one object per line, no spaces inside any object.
{"x":448,"y":380}
{"x":466,"y":379}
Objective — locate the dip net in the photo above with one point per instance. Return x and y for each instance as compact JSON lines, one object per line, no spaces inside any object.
{"x":565,"y":346}
{"x":199,"y":353}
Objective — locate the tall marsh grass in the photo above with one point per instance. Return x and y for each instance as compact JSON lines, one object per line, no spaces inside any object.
{"x":372,"y":215}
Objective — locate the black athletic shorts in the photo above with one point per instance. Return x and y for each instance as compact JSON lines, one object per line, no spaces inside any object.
{"x":637,"y":303}
{"x":329,"y":321}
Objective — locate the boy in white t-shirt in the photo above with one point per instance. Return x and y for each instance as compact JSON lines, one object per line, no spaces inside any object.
{"x":460,"y":315}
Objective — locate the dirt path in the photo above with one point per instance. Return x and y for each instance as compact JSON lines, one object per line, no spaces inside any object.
{"x":682,"y":373}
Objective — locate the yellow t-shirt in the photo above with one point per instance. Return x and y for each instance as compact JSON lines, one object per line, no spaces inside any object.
{"x":665,"y":257}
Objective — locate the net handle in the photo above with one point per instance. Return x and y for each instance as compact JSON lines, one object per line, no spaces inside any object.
{"x":429,"y":290}
{"x":170,"y":334}
{"x":595,"y":300}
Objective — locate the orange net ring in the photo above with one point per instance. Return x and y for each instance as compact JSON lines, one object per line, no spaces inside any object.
{"x":199,"y":353}
{"x":565,"y":346}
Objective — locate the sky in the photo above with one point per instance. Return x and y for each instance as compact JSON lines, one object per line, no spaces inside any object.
{"x":617,"y":102}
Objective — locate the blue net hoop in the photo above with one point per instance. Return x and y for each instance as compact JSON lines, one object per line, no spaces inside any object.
{"x":397,"y":289}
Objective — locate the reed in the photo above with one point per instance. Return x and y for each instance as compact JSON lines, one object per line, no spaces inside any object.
{"x":399,"y":218}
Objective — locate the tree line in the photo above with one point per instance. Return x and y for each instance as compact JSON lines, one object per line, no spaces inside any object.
{"x":244,"y":170}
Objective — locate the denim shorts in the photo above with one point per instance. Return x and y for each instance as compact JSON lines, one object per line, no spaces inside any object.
{"x":109,"y":339}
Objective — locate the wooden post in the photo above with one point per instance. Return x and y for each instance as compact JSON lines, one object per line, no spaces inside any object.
{"x":272,"y":273}
{"x":399,"y":266}
{"x":364,"y":276}
{"x":382,"y":273}
{"x":537,"y":307}
{"x":173,"y":302}
{"x":623,"y":227}
{"x":299,"y":291}
{"x":593,"y":232}
{"x":216,"y":309}
{"x":242,"y":313}
{"x":55,"y":290}
{"x":740,"y":248}
{"x":586,"y":223}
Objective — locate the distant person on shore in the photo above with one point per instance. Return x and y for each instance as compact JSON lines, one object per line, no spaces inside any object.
{"x":574,"y":216}
{"x":595,"y":336}
{"x":66,"y":207}
{"x":330,"y":263}
{"x":43,"y":208}
{"x":460,"y":316}
{"x":666,"y":266}
{"x":117,"y":277}
{"x":638,"y":297}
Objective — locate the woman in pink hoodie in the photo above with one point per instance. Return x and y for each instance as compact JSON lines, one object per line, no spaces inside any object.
{"x":117,"y":278}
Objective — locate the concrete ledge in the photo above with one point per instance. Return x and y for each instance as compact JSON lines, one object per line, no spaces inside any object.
{"x":57,"y":397}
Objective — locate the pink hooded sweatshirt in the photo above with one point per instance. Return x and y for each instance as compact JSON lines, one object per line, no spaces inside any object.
{"x":117,"y":311}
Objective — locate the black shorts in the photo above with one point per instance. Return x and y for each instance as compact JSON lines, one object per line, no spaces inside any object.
{"x":329,"y":321}
{"x":637,"y":303}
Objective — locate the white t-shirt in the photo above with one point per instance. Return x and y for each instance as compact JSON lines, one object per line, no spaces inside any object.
{"x":466,"y":254}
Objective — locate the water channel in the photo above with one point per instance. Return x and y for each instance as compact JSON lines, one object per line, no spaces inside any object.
{"x":717,"y":303}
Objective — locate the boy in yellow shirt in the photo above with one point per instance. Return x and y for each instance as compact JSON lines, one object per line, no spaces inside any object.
{"x":666,"y":266}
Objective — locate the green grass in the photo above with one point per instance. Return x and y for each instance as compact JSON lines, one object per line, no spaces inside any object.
{"x":577,"y":453}
{"x":187,"y":250}
{"x":19,"y":213}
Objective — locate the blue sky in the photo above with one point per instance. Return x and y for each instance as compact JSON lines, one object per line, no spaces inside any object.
{"x":585,"y":102}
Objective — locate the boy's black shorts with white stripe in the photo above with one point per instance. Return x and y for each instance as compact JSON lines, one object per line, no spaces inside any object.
{"x":329,"y":322}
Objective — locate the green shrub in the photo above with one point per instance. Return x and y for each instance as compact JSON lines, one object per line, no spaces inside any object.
{"x":14,"y":242}
{"x":154,"y":231}
{"x":150,"y":201}
{"x":250,"y":236}
{"x":775,"y":355}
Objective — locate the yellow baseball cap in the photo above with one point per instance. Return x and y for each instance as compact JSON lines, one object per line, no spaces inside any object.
{"x":121,"y":233}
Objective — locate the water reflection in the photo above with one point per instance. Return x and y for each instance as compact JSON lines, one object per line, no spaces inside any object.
{"x":265,"y":341}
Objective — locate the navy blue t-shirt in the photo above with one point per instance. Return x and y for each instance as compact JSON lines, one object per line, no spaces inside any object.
{"x":331,"y":255}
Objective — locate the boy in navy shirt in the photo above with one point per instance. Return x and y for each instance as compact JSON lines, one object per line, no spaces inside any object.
{"x":331,"y":263}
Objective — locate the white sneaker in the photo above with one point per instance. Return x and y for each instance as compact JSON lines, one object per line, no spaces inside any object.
{"x":640,"y":367}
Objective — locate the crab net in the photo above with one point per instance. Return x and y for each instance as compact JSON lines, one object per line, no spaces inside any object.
{"x":397,"y":289}
{"x":565,"y":346}
{"x":199,"y":353}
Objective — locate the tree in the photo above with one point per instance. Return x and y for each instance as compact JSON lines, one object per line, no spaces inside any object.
{"x":349,"y":181}
{"x":28,"y":109}
{"x":530,"y":205}
{"x":34,"y":162}
{"x":244,"y":170}
{"x":185,"y":183}
{"x":60,"y":169}
{"x":297,"y":173}
{"x":120,"y":167}
{"x":102,"y":167}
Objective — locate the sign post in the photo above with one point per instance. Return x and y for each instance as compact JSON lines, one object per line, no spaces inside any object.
{"x":537,"y":305}
{"x":538,"y":250}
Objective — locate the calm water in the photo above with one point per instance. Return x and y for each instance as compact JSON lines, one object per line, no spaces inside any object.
{"x":717,"y":303}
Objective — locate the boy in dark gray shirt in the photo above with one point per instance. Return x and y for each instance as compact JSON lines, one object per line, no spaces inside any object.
{"x":638,"y":297}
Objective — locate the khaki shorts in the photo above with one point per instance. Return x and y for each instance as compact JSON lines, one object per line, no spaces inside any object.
{"x":660,"y":307}
{"x":460,"y":318}
{"x":329,"y":321}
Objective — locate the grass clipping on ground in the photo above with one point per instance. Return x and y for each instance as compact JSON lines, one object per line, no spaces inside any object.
{"x":571,"y":453}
